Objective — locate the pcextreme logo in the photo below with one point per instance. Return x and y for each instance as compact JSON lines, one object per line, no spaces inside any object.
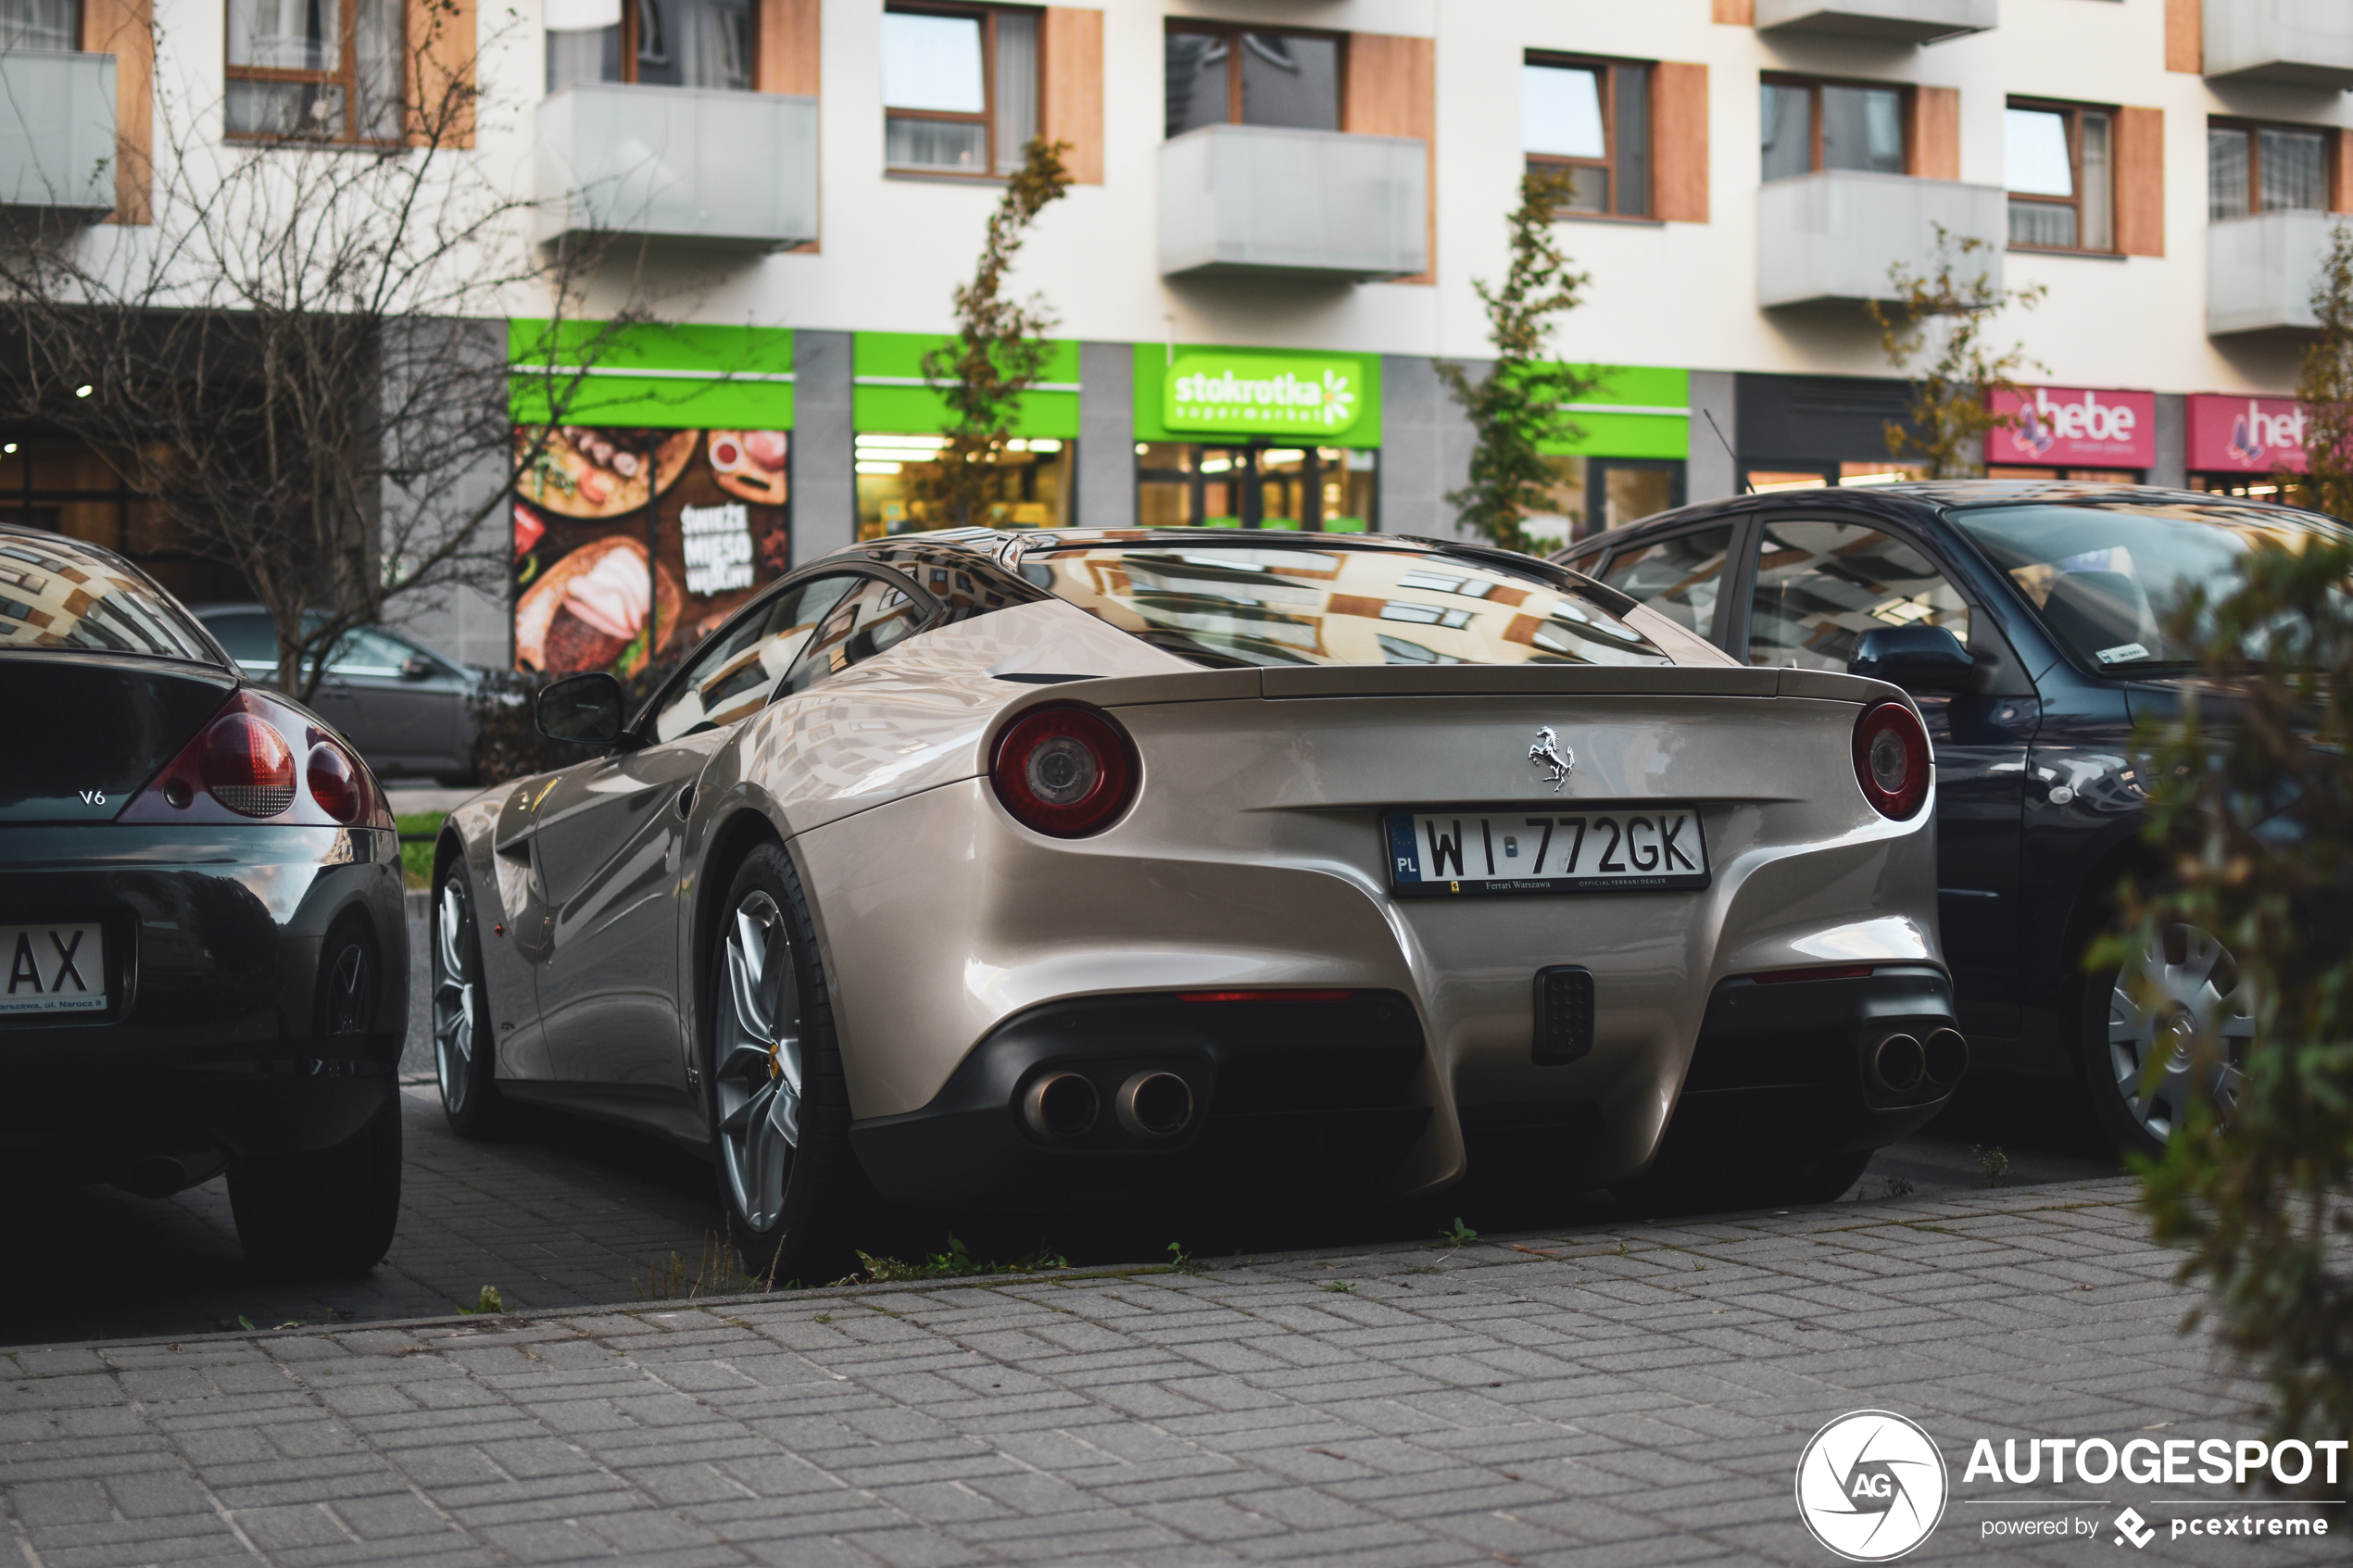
{"x":1872,"y":1486}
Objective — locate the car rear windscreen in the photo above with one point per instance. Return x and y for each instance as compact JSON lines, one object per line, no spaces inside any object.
{"x":56,"y":594}
{"x":1240,"y":604}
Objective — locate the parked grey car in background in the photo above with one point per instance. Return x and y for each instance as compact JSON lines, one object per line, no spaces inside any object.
{"x":404,"y":707}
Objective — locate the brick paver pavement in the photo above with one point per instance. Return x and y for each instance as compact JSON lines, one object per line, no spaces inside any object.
{"x":1630,"y":1393}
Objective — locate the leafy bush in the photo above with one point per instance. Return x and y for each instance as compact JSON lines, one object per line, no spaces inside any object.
{"x":2254,"y":815}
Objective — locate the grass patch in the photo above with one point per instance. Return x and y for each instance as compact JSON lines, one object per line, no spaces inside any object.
{"x":955,"y":1263}
{"x":415,"y":859}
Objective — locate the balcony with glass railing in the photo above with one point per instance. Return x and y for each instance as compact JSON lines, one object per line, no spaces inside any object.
{"x":56,"y":131}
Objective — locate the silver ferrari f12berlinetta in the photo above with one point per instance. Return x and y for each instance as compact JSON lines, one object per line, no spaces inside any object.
{"x":1047,"y":868}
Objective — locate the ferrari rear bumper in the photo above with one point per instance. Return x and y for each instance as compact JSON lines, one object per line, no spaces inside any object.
{"x":1096,"y":1102}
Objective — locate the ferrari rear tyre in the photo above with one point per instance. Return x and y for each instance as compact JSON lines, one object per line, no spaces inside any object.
{"x":2140,"y":1029}
{"x":779,"y":1107}
{"x":329,"y":1213}
{"x":464,"y":1049}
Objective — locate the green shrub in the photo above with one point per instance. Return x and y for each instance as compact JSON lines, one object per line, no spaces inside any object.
{"x":2251,"y":801}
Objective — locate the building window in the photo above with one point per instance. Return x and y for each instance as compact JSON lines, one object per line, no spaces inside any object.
{"x":1234,"y":76}
{"x":1589,"y":123}
{"x":1030,"y":482}
{"x":2264,"y":169}
{"x":53,"y":25}
{"x":1811,"y":125}
{"x":327,"y":71}
{"x":960,"y":90}
{"x":1254,"y":484}
{"x":657,"y":42}
{"x":2059,"y":161}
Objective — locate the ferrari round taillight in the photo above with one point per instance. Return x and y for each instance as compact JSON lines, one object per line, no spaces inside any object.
{"x":1892,"y":760}
{"x":1068,"y":771}
{"x":247,"y":766}
{"x":335,"y":783}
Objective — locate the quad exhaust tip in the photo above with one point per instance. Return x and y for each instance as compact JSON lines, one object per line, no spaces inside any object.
{"x":1898,"y":1063}
{"x":1946,"y":1058}
{"x":1154,"y":1105}
{"x":1061,"y":1106}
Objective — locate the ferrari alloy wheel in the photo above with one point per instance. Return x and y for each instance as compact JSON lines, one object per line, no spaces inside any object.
{"x":463,"y":1048}
{"x":2143,"y":1026}
{"x":756,"y":1081}
{"x":779,"y":1107}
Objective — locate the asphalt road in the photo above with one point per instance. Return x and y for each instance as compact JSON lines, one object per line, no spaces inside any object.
{"x":568,"y":1213}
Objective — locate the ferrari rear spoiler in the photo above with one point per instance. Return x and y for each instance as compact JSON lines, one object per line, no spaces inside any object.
{"x":1287,"y":682}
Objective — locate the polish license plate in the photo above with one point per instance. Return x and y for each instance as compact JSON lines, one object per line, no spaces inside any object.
{"x":1609,"y":849}
{"x":57,"y":968}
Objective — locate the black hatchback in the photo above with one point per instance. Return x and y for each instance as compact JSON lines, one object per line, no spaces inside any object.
{"x":2025,"y":618}
{"x":200,"y":920}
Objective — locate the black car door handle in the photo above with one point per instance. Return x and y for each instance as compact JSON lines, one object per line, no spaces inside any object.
{"x":686,"y":802}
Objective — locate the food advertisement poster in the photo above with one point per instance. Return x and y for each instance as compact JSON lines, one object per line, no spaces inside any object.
{"x":631,"y":545}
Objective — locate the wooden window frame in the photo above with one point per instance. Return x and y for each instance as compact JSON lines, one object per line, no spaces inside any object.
{"x":1233,"y":32}
{"x":987,"y":119}
{"x":2254,"y":128}
{"x":2074,"y":113}
{"x":346,"y":76}
{"x":1608,"y":162}
{"x":1904,"y":97}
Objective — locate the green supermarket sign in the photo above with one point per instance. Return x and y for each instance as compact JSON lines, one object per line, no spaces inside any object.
{"x":1303,"y":394}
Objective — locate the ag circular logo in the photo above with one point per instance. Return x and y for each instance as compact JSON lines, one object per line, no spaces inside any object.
{"x":1872,"y":1486}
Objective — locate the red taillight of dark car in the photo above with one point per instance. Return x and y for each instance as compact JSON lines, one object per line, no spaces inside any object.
{"x":260,"y":759}
{"x":1064,"y":771}
{"x":246,"y":765}
{"x":1892,"y":760}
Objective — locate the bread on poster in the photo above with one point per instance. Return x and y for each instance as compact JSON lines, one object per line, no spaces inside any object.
{"x":750,"y":464}
{"x":594,"y":472}
{"x":588,"y":610}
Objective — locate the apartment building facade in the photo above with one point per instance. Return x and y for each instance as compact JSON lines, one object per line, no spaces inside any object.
{"x":1278,"y":216}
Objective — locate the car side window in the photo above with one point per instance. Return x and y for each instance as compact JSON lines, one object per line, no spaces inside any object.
{"x":251,"y":640}
{"x":362,"y":652}
{"x":736,"y":674}
{"x":878,"y":616}
{"x":1680,"y":578}
{"x":1821,"y":586}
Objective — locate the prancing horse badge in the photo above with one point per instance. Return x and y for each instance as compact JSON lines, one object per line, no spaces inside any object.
{"x":1554,"y":758}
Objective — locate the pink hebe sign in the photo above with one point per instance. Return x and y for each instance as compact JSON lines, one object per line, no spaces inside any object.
{"x":2075,"y":427}
{"x":2246,"y":435}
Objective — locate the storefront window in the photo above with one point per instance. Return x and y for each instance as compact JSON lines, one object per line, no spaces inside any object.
{"x":1811,"y":476}
{"x":1030,"y":482}
{"x":1594,"y":494}
{"x":67,"y":488}
{"x":1319,"y":489}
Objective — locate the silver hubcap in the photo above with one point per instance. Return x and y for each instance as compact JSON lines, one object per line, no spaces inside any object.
{"x":758,"y":1077}
{"x":454,"y":1006}
{"x":2183,"y":987}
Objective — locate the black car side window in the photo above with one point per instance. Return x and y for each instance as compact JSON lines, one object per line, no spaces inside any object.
{"x":1682,"y":578}
{"x":735,"y":675}
{"x":878,"y":616}
{"x":1821,"y":586}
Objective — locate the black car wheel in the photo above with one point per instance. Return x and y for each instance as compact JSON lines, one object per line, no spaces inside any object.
{"x":329,"y":1213}
{"x":2141,"y":1026}
{"x":464,"y":1050}
{"x":779,"y":1107}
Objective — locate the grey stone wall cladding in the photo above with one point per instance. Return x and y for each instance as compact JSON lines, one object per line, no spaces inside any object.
{"x":1711,"y":474}
{"x":1425,"y":444}
{"x":1636,"y":1394}
{"x":825,"y":490}
{"x":1106,"y":437}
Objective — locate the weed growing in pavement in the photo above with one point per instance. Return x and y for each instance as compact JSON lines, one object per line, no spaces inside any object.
{"x":1460,"y":1235}
{"x":1339,"y":1286}
{"x":1899,"y":1186}
{"x":822,"y":1317}
{"x":1994,"y":1163}
{"x":719,"y":1272}
{"x":957,"y":1262}
{"x":488,"y":1301}
{"x":1180,"y":1259}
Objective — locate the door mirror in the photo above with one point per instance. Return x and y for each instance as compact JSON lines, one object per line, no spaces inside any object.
{"x":584,"y":709}
{"x":1919,"y":658}
{"x":417,"y":666}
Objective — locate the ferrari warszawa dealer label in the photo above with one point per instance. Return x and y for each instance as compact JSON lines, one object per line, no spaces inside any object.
{"x":1873,"y":1485}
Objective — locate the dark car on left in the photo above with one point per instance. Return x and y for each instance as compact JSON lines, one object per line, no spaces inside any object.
{"x":200,"y":920}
